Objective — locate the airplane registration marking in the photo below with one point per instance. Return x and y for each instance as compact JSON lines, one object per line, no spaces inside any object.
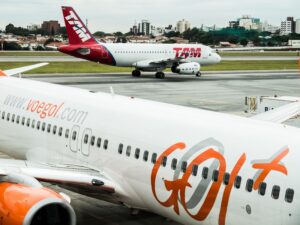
{"x":178,"y":187}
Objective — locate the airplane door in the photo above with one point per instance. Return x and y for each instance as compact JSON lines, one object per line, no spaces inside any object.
{"x":74,"y":137}
{"x":85,"y":142}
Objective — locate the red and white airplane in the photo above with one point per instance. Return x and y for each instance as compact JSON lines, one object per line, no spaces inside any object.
{"x":190,"y":165}
{"x":181,"y":58}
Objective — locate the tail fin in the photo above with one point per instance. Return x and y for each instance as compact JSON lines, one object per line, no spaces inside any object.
{"x":76,"y":30}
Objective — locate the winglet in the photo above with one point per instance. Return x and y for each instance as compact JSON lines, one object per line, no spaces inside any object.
{"x":20,"y":70}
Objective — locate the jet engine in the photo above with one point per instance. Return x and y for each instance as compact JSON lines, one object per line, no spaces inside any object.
{"x":21,"y":204}
{"x":186,"y":68}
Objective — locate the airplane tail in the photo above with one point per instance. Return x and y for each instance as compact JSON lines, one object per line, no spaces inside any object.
{"x":76,"y":30}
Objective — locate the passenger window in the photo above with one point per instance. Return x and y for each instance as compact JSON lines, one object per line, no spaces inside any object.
{"x":174,"y":164}
{"x":195,"y":170}
{"x":18,"y":119}
{"x":13,"y":118}
{"x":49,"y":128}
{"x":128,"y":150}
{"x":93,"y":140}
{"x":86,"y":139}
{"x":33,"y":124}
{"x":137,"y":153}
{"x":74,"y":135}
{"x":215,"y":176}
{"x":105,"y":146}
{"x":146,"y":155}
{"x":43,"y":126}
{"x":183,"y":166}
{"x":164,"y":161}
{"x":120,"y":149}
{"x":8,"y":116}
{"x":289,"y":195}
{"x":67,"y":133}
{"x":99,"y":142}
{"x":205,"y":173}
{"x":153,"y":158}
{"x":3,"y":115}
{"x":54,"y":130}
{"x":28,"y":122}
{"x":276,"y":192}
{"x":237,"y":182}
{"x":23,"y":121}
{"x":60,"y":131}
{"x":38,"y":125}
{"x":226,"y":178}
{"x":249,"y":185}
{"x":262,"y":188}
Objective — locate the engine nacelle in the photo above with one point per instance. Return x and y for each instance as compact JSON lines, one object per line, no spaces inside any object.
{"x":187,"y":68}
{"x":24,"y":205}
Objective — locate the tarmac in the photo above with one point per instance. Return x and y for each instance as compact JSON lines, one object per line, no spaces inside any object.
{"x":216,"y":91}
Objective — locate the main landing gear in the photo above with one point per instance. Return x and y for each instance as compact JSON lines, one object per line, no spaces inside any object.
{"x":198,"y":74}
{"x":136,"y":73}
{"x":160,"y":75}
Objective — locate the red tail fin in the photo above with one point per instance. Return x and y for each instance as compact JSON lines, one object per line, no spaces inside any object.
{"x":76,"y":30}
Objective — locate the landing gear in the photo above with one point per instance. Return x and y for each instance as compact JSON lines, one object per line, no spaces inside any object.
{"x":136,"y":73}
{"x":160,"y":75}
{"x":198,"y":74}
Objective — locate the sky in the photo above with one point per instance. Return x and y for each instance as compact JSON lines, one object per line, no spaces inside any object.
{"x":120,"y":15}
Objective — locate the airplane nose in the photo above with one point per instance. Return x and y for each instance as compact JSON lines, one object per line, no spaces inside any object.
{"x":218,"y":58}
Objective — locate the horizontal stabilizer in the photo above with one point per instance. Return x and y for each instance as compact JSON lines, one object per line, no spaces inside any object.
{"x":281,"y":114}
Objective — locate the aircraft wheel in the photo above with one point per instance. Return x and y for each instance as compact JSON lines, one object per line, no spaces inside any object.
{"x":198,"y":74}
{"x":160,"y":75}
{"x":136,"y":73}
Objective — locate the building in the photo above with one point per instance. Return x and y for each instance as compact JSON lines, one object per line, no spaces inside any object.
{"x":33,"y":27}
{"x":249,"y":23}
{"x":157,"y":31}
{"x":287,"y":26}
{"x":234,"y":24}
{"x":51,"y":27}
{"x":269,"y":28}
{"x":144,"y":27}
{"x":134,"y":30}
{"x":183,"y":25}
{"x":297,"y":30}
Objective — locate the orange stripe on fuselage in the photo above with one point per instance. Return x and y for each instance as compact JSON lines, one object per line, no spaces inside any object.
{"x":2,"y":73}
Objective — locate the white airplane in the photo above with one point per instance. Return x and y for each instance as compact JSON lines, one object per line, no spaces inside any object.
{"x":190,"y":165}
{"x":181,"y":58}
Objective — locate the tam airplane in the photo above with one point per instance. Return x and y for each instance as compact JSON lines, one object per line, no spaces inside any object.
{"x":181,"y":58}
{"x":190,"y":165}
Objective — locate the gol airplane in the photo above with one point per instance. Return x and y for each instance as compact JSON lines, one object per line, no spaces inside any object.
{"x":190,"y":165}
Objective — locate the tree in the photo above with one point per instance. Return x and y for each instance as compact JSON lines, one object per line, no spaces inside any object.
{"x":9,"y":28}
{"x":99,"y":34}
{"x":11,"y":46}
{"x":118,"y":34}
{"x":244,"y":42}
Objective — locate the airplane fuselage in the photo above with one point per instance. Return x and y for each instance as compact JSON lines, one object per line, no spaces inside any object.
{"x":179,"y":162}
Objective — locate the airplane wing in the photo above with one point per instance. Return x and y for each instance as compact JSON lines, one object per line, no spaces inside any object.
{"x":281,"y":114}
{"x":79,"y":177}
{"x":20,"y":70}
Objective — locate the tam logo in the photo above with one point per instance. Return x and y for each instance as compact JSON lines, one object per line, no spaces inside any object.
{"x":78,"y":27}
{"x":187,"y":52}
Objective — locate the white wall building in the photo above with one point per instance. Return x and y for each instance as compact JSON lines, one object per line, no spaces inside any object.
{"x":269,"y":28}
{"x":286,"y":27}
{"x":250,"y":23}
{"x":144,"y":27}
{"x":183,"y":25}
{"x":298,"y":26}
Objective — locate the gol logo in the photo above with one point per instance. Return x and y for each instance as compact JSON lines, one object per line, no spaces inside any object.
{"x":78,"y":27}
{"x":178,"y":187}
